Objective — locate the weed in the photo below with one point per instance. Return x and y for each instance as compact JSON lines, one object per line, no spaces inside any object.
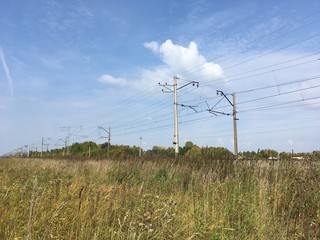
{"x":131,"y":199}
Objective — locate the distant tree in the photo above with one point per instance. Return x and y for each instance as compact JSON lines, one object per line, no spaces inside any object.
{"x":216,"y":153}
{"x":161,"y":151}
{"x":316,"y":155}
{"x":268,"y":153}
{"x":284,"y":156}
{"x":248,"y":155}
{"x":75,"y":149}
{"x":123,"y":151}
{"x":187,"y":146}
{"x":82,"y":149}
{"x":194,"y":152}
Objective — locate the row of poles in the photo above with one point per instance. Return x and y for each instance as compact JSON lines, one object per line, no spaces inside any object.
{"x":174,"y":90}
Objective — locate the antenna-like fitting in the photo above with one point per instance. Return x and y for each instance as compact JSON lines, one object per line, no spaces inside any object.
{"x":189,"y":106}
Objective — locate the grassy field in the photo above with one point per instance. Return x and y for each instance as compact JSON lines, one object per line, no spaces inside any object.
{"x":159,"y":199}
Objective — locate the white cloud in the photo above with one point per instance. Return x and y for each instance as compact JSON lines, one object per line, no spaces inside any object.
{"x":154,"y":46}
{"x":177,"y":60}
{"x":110,"y":80}
{"x":185,"y":60}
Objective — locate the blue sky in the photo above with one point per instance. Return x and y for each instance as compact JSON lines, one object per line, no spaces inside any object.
{"x":84,"y":64}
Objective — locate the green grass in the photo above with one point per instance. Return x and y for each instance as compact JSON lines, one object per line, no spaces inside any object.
{"x":140,"y":199}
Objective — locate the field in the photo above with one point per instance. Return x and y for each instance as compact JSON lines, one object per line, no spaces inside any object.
{"x":158,"y":199}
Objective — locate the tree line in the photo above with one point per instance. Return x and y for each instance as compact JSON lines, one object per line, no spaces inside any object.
{"x":189,"y":150}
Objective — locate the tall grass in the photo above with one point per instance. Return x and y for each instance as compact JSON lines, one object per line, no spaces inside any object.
{"x":163,"y":199}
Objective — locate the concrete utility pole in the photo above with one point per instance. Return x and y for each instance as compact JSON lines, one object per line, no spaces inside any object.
{"x":28,"y":150}
{"x":140,"y":149}
{"x":43,"y":144}
{"x":42,"y":140}
{"x":67,"y":144}
{"x":234,"y":114}
{"x":67,"y":128}
{"x":65,"y":152}
{"x":175,"y":108}
{"x":109,"y":138}
{"x":235,"y":133}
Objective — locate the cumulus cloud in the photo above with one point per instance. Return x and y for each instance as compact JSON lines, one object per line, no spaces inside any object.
{"x":153,"y":46}
{"x":185,"y":59}
{"x":178,"y":60}
{"x":110,"y":80}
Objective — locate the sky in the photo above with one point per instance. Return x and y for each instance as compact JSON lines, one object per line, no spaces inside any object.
{"x":70,"y":67}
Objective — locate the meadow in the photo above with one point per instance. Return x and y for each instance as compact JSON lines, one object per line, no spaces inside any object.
{"x":158,"y":199}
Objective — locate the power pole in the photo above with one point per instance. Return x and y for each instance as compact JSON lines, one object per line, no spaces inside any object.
{"x":42,"y":139}
{"x":43,"y":144}
{"x":235,"y":133}
{"x":109,"y":138}
{"x":20,"y":150}
{"x":140,"y":149}
{"x":234,"y":114}
{"x":28,"y":150}
{"x":65,"y":146}
{"x":175,"y":108}
{"x":67,"y":138}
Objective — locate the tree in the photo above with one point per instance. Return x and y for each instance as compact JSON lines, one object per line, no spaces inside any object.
{"x":248,"y":155}
{"x":284,"y":156}
{"x":216,"y":153}
{"x":161,"y":151}
{"x":316,"y":155}
{"x":75,"y":149}
{"x":194,"y":152}
{"x":268,"y":153}
{"x":187,"y":146}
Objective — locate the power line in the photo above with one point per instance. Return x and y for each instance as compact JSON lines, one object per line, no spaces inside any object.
{"x":273,"y":51}
{"x":134,"y":126}
{"x":259,"y":38}
{"x":278,"y":104}
{"x":276,"y":95}
{"x":230,"y":78}
{"x":282,"y":84}
{"x":266,"y":42}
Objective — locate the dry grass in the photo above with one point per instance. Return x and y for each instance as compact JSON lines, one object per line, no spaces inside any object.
{"x":140,"y":199}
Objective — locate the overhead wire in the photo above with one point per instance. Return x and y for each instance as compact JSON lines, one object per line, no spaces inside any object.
{"x":95,"y":118}
{"x":278,"y":104}
{"x":252,"y":100}
{"x":200,"y":119}
{"x":282,"y":47}
{"x":257,"y":39}
{"x":280,"y":85}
